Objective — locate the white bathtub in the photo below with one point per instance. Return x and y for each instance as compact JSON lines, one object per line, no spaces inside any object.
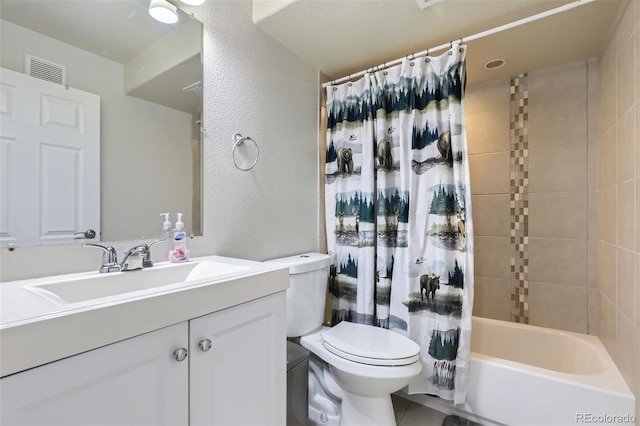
{"x":527,"y":375}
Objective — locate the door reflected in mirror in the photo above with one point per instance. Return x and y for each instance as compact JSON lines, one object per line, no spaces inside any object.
{"x":102,"y":74}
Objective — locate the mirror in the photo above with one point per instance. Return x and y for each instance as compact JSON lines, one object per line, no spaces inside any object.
{"x":142,"y":81}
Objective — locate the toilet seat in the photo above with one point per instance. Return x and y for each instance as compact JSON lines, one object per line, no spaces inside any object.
{"x":366,"y":344}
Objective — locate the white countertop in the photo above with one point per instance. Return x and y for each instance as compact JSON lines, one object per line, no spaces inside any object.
{"x":35,"y":330}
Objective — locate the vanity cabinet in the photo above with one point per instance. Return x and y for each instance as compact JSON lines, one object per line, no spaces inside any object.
{"x":224,"y":368}
{"x":136,"y":382}
{"x":238,"y":365}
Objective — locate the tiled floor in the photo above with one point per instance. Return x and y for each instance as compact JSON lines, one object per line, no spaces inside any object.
{"x":411,"y":414}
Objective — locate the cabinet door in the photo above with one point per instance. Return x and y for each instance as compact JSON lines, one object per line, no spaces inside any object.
{"x":134,"y":382}
{"x":241,"y":379}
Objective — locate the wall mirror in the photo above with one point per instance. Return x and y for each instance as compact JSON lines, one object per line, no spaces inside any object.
{"x":108,"y":136}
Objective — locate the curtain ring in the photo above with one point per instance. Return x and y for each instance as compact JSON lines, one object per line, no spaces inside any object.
{"x":350,"y":84}
{"x":385,"y":69}
{"x":427,"y":59}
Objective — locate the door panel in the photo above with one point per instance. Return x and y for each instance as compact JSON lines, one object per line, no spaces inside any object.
{"x":50,"y":183}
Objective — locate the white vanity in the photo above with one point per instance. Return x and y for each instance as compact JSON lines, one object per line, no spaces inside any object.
{"x":202,"y":343}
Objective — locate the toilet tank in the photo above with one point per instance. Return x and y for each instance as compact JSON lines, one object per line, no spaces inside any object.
{"x":308,"y":275}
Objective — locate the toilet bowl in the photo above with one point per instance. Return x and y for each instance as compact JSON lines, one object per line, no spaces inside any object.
{"x":366,"y":363}
{"x":364,"y":383}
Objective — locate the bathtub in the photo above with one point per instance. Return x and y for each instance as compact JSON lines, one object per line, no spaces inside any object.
{"x":527,"y":375}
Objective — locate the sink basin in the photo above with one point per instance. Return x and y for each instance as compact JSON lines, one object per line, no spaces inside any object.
{"x":49,"y":318}
{"x":116,"y":283}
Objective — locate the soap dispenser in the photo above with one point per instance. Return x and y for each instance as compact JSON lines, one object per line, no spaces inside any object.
{"x":166,"y":227}
{"x":166,"y":235}
{"x":179,"y":252}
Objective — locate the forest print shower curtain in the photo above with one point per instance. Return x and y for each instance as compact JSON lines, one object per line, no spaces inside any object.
{"x":398,"y":209}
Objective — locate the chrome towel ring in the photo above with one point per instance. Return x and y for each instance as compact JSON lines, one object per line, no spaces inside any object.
{"x":239,"y":141}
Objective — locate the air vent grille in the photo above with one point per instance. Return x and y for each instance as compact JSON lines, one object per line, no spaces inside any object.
{"x":45,"y":70}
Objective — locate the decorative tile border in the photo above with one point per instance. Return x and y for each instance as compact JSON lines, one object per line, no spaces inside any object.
{"x":519,"y":167}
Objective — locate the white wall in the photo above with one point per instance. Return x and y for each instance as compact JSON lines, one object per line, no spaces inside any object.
{"x":256,"y":87}
{"x":133,"y":164}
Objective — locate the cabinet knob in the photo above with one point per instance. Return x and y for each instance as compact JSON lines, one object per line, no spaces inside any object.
{"x":180,"y":354}
{"x":205,"y":345}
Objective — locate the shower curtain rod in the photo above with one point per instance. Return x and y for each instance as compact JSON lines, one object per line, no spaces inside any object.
{"x":476,"y":36}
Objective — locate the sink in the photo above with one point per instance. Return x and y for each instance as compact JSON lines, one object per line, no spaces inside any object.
{"x":115,"y":283}
{"x":45,"y":319}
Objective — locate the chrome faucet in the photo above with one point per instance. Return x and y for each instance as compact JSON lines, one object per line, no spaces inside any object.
{"x":138,"y":257}
{"x":109,"y":258}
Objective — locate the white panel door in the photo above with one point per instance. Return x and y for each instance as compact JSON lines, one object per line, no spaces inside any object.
{"x":241,"y":379}
{"x":49,"y":161}
{"x":134,"y":382}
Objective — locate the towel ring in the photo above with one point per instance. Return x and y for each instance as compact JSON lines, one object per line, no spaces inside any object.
{"x":239,"y":141}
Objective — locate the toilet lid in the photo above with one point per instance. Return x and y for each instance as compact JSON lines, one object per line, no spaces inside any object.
{"x":370,"y":345}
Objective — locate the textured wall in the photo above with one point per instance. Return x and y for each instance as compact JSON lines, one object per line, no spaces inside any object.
{"x":256,"y":87}
{"x":617,"y":196}
{"x":260,"y":89}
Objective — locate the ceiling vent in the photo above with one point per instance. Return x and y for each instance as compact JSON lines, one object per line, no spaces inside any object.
{"x":45,"y":70}
{"x":423,"y":4}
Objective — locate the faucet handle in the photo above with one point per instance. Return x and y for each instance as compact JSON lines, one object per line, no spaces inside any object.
{"x":156,"y":241}
{"x":146,"y":262}
{"x":109,"y":258}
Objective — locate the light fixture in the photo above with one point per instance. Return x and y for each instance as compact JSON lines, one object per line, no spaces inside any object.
{"x":193,"y":2}
{"x":163,"y":11}
{"x":494,"y":63}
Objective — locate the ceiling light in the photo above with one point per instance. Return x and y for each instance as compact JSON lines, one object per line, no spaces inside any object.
{"x":163,"y":11}
{"x":492,"y":64}
{"x":193,"y":2}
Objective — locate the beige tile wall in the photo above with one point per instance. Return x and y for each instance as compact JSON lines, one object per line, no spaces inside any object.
{"x":558,"y":196}
{"x":617,"y":195}
{"x":487,"y":119}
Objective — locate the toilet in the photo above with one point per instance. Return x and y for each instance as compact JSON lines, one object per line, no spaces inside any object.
{"x":364,"y":364}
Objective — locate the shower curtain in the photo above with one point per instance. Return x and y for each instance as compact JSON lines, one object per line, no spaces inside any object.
{"x":398,"y":212}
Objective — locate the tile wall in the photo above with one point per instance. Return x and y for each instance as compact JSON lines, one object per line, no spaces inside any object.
{"x":539,"y":151}
{"x":616,"y":190}
{"x":487,"y":113}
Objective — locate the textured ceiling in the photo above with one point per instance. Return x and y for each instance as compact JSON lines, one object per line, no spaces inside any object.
{"x":339,"y":37}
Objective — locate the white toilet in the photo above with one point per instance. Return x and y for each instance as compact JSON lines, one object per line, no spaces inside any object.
{"x":366,"y":363}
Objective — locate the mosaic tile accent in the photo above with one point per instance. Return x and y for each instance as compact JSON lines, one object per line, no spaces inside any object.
{"x":519,"y":167}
